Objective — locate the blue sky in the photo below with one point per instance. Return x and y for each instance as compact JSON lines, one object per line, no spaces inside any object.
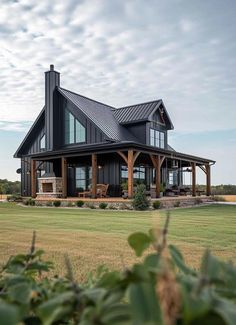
{"x":125,"y":52}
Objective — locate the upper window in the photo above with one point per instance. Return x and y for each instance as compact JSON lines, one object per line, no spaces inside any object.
{"x":74,"y":130}
{"x":42,"y":143}
{"x":157,"y":138}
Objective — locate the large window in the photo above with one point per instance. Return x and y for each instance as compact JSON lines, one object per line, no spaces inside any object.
{"x":42,"y":143}
{"x":74,"y":130}
{"x":138,"y":174}
{"x":157,"y":138}
{"x":83,"y":176}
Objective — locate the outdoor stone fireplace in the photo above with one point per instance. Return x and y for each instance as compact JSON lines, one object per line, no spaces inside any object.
{"x":49,"y":186}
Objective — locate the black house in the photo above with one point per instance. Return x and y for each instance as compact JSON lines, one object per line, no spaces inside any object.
{"x":78,"y":143}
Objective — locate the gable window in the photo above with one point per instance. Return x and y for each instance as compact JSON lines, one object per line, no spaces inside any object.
{"x":42,"y":143}
{"x":74,"y":130}
{"x":157,"y":138}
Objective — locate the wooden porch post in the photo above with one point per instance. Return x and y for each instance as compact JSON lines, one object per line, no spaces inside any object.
{"x":193,"y":179}
{"x":208,"y":180}
{"x":158,"y":177}
{"x":157,"y":161}
{"x":130,"y":173}
{"x":33,"y":177}
{"x":64,"y":176}
{"x":94,"y":175}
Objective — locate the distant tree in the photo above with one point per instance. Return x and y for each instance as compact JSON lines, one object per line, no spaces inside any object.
{"x":9,"y":187}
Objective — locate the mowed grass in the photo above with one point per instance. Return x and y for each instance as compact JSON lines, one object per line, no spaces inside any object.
{"x":95,"y":237}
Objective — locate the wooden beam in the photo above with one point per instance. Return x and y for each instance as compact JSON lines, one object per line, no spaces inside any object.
{"x":193,"y":164}
{"x":130,"y":173}
{"x":202,"y":168}
{"x":137,"y":153}
{"x":94,"y":175}
{"x":64,"y":176}
{"x":157,"y":161}
{"x":33,"y":177}
{"x":122,"y":154}
{"x":208,"y":179}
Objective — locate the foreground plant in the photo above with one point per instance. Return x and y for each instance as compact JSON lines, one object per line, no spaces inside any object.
{"x":161,"y":289}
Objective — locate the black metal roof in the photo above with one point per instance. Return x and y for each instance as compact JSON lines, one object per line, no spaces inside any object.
{"x":101,"y":114}
{"x":137,"y":112}
{"x":33,"y":128}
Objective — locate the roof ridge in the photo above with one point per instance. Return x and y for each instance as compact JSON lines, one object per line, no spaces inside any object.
{"x":151,"y":101}
{"x":93,"y":100}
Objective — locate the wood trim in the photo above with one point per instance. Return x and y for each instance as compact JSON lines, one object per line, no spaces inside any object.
{"x":193,"y":164}
{"x":157,"y":161}
{"x":123,"y":156}
{"x":33,"y":177}
{"x":130,"y":173}
{"x":203,"y":169}
{"x":137,"y":153}
{"x":162,"y":160}
{"x":94,"y":175}
{"x":208,"y":180}
{"x":64,"y":176}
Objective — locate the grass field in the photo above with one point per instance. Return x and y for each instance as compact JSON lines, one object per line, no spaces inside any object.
{"x":94,"y":237}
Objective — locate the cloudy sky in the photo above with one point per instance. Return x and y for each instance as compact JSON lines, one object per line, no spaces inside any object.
{"x":125,"y":52}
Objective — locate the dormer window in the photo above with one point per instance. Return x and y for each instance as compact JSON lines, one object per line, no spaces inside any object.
{"x":157,"y":138}
{"x":74,"y":130}
{"x":42,"y":143}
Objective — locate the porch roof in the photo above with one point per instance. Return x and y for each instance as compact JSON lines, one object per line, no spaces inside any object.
{"x":100,"y":148}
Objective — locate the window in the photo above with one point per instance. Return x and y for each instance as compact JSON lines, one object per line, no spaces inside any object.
{"x":138,"y":172}
{"x":157,"y":138}
{"x":83,"y":176}
{"x":42,"y":143}
{"x":74,"y":130}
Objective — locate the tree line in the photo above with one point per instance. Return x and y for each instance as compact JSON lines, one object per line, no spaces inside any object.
{"x":9,"y":187}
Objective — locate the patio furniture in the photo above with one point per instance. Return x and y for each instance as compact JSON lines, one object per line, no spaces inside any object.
{"x":101,"y":191}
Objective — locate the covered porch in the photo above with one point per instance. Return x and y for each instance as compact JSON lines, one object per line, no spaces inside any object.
{"x":122,"y":168}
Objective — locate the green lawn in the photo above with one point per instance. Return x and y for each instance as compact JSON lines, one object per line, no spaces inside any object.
{"x":94,"y":237}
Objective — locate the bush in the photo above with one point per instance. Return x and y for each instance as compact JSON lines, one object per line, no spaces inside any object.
{"x":156,"y":205}
{"x":48,"y":204}
{"x":57,"y":203}
{"x":140,"y":201}
{"x":14,"y":198}
{"x":103,"y":205}
{"x":90,"y":206}
{"x":177,"y":204}
{"x":29,"y":201}
{"x":198,"y":200}
{"x":160,"y":289}
{"x":80,"y":203}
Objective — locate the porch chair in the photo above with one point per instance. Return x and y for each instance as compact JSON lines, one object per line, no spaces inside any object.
{"x":102,"y":190}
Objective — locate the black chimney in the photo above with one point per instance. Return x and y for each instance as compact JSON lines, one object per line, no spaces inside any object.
{"x":52,"y":80}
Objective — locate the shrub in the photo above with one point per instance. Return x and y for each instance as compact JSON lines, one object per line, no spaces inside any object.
{"x":48,"y":203}
{"x":156,"y":205}
{"x":57,"y":203}
{"x":198,"y":200}
{"x":90,"y":206}
{"x":140,"y":201}
{"x":29,"y":201}
{"x":80,"y":203}
{"x":14,"y":198}
{"x":103,"y":205}
{"x":177,"y":204}
{"x":160,"y":288}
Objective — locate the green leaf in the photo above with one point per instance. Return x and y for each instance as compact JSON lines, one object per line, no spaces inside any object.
{"x":179,"y":260}
{"x":20,"y":293}
{"x":227,"y":310}
{"x":144,"y":304}
{"x":56,"y":308}
{"x":139,"y":242}
{"x":8,"y":314}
